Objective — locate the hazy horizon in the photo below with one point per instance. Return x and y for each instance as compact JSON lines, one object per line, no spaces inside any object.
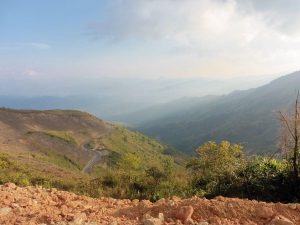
{"x":73,"y":40}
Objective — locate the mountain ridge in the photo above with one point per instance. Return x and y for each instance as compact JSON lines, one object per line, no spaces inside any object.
{"x":246,"y":117}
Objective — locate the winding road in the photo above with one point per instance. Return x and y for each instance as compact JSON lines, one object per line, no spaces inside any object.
{"x":98,"y":154}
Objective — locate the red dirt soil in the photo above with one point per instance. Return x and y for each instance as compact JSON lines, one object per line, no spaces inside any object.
{"x":36,"y":205}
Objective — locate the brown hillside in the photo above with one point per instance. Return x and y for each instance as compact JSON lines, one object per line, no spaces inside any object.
{"x":54,"y":135}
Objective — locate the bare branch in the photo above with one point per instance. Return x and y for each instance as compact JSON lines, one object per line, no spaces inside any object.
{"x":285,"y":121}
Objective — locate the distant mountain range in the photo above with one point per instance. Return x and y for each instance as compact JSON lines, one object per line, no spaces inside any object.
{"x":110,"y":98}
{"x":246,"y":117}
{"x":168,"y":109}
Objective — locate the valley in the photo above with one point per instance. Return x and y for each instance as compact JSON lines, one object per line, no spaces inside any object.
{"x":149,"y":112}
{"x":247,"y":117}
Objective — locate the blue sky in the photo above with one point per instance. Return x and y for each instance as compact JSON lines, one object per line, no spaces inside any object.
{"x":143,"y":38}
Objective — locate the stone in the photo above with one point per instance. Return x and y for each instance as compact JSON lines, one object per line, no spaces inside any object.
{"x":146,"y":216}
{"x":144,"y":203}
{"x":5,"y":211}
{"x":79,"y":218}
{"x":214,"y":220}
{"x":264,"y":212}
{"x":185,"y":214}
{"x":160,"y":201}
{"x":203,"y":223}
{"x":175,"y":198}
{"x":152,"y":221}
{"x":161,"y":216}
{"x":114,"y":223}
{"x":220,"y":198}
{"x":280,"y":220}
{"x":135,"y":201}
{"x":10,"y":185}
{"x":292,"y":206}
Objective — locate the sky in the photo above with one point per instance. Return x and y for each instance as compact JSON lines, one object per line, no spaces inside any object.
{"x":72,"y":39}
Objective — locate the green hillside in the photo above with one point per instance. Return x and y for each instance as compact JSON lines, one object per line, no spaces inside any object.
{"x":65,"y":149}
{"x":246,"y":117}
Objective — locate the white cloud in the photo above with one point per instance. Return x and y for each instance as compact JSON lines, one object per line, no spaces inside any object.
{"x":39,"y":45}
{"x":30,"y":72}
{"x":236,"y":36}
{"x":24,"y":45}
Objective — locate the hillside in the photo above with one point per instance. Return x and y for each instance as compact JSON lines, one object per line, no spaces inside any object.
{"x":245,"y":117}
{"x":36,"y":205}
{"x":66,"y":148}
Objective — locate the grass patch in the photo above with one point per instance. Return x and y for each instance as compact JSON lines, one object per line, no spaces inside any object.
{"x":62,"y":135}
{"x":122,"y":141}
{"x":16,"y":171}
{"x":60,"y":160}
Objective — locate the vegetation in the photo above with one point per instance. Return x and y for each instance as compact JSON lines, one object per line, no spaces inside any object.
{"x":246,"y":117}
{"x":222,"y":169}
{"x":140,"y":167}
{"x":23,"y":175}
{"x":64,"y":136}
{"x":121,"y":141}
{"x":61,"y":135}
{"x":218,"y":169}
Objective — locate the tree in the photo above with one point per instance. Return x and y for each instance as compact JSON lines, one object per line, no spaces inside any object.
{"x":129,"y":165}
{"x":290,"y":136}
{"x":216,"y":164}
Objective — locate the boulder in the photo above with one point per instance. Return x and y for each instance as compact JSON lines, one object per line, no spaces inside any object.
{"x":185,"y":214}
{"x":152,"y":221}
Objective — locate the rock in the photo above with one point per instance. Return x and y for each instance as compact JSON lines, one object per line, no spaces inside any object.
{"x":10,"y":185}
{"x":280,"y":220}
{"x":185,"y":214}
{"x":114,"y":223}
{"x":175,"y":198}
{"x":135,"y":201}
{"x":220,"y":198}
{"x":5,"y":211}
{"x":160,"y":201}
{"x":171,"y":203}
{"x":149,"y":220}
{"x":152,"y":221}
{"x":146,"y":216}
{"x":264,"y":212}
{"x":214,"y":220}
{"x":15,"y":205}
{"x":79,"y":219}
{"x":161,"y":217}
{"x":292,"y":206}
{"x":145,"y":203}
{"x":203,"y":223}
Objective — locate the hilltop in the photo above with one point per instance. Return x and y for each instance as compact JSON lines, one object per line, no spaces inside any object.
{"x":69,"y":149}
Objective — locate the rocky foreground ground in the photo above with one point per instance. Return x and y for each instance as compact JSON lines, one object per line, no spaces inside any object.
{"x":36,"y":205}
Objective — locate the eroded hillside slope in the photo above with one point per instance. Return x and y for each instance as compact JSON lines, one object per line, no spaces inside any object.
{"x":67,"y":148}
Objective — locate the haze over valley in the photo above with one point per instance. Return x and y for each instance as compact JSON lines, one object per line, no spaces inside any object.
{"x":149,"y":112}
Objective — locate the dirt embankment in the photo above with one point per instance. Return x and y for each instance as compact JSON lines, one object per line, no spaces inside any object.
{"x":36,"y":205}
